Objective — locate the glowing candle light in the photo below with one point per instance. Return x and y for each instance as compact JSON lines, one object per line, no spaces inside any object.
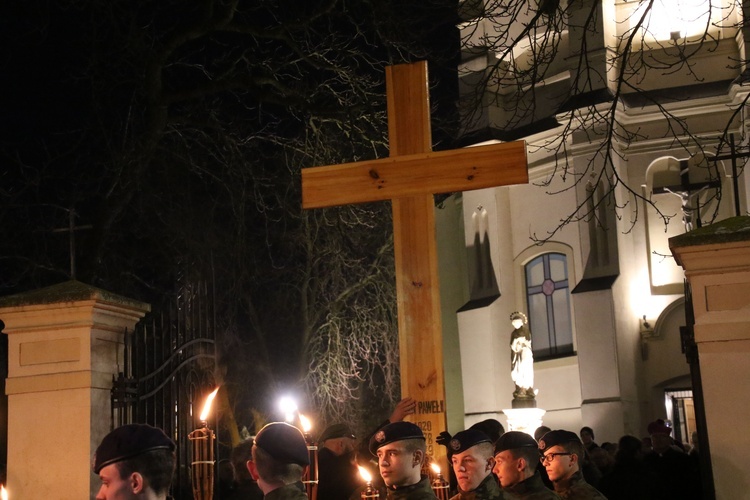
{"x":439,"y":485}
{"x":369,"y":491}
{"x":3,"y":493}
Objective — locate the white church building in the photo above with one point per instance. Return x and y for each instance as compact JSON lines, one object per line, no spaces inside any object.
{"x":603,"y":294}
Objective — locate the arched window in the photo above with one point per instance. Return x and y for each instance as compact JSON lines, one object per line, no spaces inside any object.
{"x":548,"y":301}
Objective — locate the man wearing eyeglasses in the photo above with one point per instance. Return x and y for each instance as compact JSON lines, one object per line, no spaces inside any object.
{"x":562,"y":452}
{"x":516,"y":461}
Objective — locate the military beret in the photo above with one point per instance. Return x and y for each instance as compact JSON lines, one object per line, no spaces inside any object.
{"x":491,"y":427}
{"x":659,"y":426}
{"x":336,"y":431}
{"x":464,"y":440}
{"x":556,"y":437}
{"x":513,"y":440}
{"x":397,"y":431}
{"x":283,"y":442}
{"x":129,"y":441}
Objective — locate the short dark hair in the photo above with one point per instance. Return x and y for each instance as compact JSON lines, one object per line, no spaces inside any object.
{"x":156,"y":467}
{"x":575,"y":447}
{"x":587,"y":429}
{"x":273,"y":470}
{"x":531,"y":455}
{"x":412,"y":445}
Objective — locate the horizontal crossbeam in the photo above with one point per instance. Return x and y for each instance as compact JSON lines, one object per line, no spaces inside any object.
{"x":418,"y":174}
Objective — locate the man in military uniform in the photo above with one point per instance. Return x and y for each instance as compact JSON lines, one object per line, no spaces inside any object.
{"x":472,"y":462}
{"x":516,"y":460}
{"x":562,"y":453}
{"x":279,"y":459}
{"x":400,"y":448}
{"x":135,"y":461}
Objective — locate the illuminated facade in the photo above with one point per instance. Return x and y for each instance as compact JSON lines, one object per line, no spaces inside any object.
{"x":623,"y":120}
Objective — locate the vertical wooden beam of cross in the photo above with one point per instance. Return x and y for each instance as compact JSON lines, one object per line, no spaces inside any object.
{"x":410,"y":178}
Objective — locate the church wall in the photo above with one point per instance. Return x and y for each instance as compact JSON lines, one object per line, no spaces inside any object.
{"x":559,"y":392}
{"x":453,"y":294}
{"x":482,"y":322}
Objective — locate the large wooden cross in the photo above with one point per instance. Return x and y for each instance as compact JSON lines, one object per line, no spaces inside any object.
{"x":410,"y":178}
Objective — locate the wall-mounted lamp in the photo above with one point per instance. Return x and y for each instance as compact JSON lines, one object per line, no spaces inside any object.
{"x":647,"y":332}
{"x":646,"y":328}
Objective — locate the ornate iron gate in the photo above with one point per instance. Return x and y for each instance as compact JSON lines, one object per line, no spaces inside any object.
{"x":690,"y":349}
{"x":169,"y":365}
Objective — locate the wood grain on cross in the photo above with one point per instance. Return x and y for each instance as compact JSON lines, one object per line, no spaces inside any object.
{"x":409,"y":178}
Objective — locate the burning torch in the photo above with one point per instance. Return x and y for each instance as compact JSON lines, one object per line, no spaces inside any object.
{"x":311,"y":476}
{"x":439,"y":485}
{"x":202,"y":467}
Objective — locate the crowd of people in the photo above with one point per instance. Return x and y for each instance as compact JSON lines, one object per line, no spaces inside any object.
{"x":137,"y":461}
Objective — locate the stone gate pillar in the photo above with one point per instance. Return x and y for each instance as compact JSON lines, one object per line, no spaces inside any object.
{"x":64,"y":346}
{"x":716,"y":260}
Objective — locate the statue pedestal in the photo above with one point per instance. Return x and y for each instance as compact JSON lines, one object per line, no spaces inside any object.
{"x":524,"y":419}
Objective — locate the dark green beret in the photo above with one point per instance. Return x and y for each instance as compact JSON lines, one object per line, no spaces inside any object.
{"x":513,"y":440}
{"x":397,"y":431}
{"x":464,"y":440}
{"x":283,"y":442}
{"x":336,"y":431}
{"x":554,"y":438}
{"x":130,"y":441}
{"x":491,"y":427}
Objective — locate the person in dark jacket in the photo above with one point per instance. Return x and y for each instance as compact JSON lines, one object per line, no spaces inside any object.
{"x":562,"y":453}
{"x":400,"y":448}
{"x":472,"y":462}
{"x":338,"y":475}
{"x":135,"y":461}
{"x":629,"y":477}
{"x":516,"y":461}
{"x":279,"y":459}
{"x":672,"y":466}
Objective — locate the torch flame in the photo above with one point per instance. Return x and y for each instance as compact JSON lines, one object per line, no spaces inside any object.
{"x":3,"y":493}
{"x":207,"y":405}
{"x":306,"y":424}
{"x":365,"y":474}
{"x":435,"y":468}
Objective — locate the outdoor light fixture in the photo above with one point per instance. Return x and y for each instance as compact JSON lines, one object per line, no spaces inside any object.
{"x":646,"y":329}
{"x":676,"y":19}
{"x":288,"y":407}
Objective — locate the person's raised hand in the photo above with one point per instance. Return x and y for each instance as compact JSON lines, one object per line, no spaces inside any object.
{"x":406,"y":406}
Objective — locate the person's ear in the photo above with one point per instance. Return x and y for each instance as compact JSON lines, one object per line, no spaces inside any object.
{"x":418,"y":458}
{"x":490,"y":464}
{"x":137,"y":483}
{"x":522,"y":464}
{"x":573,"y":459}
{"x":252,"y":469}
